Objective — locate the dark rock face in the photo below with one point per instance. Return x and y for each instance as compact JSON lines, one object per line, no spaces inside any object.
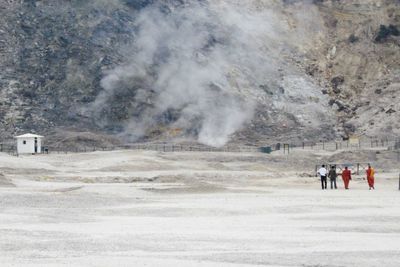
{"x":390,"y":111}
{"x":138,"y":4}
{"x":336,"y":82}
{"x":56,"y":56}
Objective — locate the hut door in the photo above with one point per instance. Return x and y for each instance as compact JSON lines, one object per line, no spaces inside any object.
{"x":36,"y":143}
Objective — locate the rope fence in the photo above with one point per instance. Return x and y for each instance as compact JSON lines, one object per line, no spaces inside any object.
{"x":393,"y":144}
{"x":153,"y":147}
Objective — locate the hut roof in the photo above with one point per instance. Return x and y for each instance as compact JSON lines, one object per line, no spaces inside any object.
{"x":29,"y":135}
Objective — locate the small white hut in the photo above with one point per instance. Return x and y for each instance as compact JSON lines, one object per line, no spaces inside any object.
{"x":29,"y":143}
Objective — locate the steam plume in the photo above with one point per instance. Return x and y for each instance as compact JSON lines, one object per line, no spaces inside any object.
{"x":199,"y":63}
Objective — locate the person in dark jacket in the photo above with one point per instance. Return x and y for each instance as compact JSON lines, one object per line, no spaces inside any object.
{"x":332,"y":176}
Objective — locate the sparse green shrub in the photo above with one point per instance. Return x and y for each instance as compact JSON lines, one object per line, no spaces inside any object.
{"x":385,"y":32}
{"x":353,"y":39}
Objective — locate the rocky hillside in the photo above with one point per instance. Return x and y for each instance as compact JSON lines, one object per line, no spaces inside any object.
{"x":359,"y":65}
{"x":212,"y":71}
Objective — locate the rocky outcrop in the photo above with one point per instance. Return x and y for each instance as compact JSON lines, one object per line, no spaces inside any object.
{"x":362,"y":62}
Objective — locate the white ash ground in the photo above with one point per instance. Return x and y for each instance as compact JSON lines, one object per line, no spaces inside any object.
{"x":132,"y":208}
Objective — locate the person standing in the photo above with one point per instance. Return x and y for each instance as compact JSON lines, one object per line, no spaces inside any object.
{"x":332,"y":177}
{"x":370,"y":177}
{"x":322,"y":172}
{"x":346,"y":176}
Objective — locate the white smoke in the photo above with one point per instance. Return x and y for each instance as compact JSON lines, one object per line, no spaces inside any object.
{"x":204,"y":59}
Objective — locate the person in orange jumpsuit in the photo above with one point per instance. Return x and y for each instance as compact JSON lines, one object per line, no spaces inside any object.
{"x":346,"y":176}
{"x":371,"y":177}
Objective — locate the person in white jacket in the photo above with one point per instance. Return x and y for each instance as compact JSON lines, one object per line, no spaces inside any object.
{"x":322,"y":172}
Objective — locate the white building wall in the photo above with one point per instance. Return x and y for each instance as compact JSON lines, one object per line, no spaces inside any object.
{"x":29,"y":147}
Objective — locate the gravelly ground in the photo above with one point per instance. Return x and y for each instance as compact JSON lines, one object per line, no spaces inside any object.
{"x":218,"y":217}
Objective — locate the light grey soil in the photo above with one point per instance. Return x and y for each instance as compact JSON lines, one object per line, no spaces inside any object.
{"x":208,"y":209}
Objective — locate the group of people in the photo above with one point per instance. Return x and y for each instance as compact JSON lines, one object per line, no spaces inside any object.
{"x":346,"y":177}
